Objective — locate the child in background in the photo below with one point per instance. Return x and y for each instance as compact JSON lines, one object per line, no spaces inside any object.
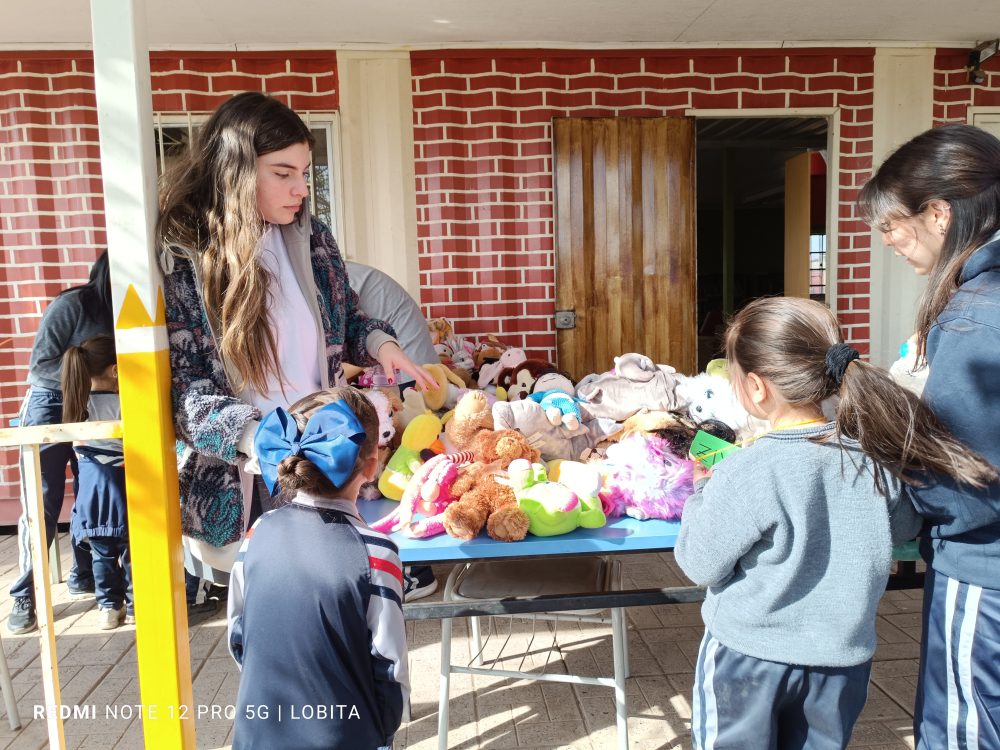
{"x":100,"y":515}
{"x":793,"y":534}
{"x":315,"y":604}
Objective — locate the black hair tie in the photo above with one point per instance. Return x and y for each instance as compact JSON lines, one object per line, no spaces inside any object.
{"x":838,"y":357}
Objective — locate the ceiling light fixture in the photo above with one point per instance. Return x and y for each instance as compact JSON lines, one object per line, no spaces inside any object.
{"x":980,"y":54}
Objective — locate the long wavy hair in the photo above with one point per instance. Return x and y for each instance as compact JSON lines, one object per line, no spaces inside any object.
{"x":786,"y":339}
{"x":208,"y":205}
{"x":959,"y":164}
{"x":80,"y":365}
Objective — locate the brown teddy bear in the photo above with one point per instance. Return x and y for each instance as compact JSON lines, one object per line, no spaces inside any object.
{"x":481,"y":498}
{"x":472,"y":415}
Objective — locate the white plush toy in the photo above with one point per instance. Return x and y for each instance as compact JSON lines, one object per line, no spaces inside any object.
{"x":712,"y":397}
{"x":905,"y":370}
{"x":386,"y":428}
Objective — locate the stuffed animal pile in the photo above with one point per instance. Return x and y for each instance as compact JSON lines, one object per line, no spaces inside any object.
{"x":509,"y":444}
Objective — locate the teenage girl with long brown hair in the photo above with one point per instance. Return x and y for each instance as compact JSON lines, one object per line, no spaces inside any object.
{"x":259,"y":309}
{"x":937,"y":202}
{"x":793,"y":533}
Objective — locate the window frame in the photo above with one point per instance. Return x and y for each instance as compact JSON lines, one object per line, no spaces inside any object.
{"x":327,"y":122}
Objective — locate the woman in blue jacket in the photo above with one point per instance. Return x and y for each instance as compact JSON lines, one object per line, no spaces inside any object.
{"x":937,"y":202}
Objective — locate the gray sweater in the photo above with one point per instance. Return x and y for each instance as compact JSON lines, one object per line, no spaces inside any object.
{"x":795,"y":546}
{"x":63,"y":325}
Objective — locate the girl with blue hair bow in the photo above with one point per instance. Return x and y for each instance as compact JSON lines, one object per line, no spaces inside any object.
{"x":315,"y":606}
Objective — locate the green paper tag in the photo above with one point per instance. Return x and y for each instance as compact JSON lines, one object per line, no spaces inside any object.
{"x":708,"y":450}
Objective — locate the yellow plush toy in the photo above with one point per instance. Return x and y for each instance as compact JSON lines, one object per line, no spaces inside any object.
{"x":435,"y":399}
{"x":420,"y":434}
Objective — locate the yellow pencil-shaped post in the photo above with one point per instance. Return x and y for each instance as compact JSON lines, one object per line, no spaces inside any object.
{"x":124,"y":108}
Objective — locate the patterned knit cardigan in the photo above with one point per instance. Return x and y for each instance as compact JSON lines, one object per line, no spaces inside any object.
{"x":208,"y":416}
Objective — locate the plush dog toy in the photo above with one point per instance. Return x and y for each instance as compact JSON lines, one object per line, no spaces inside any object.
{"x":386,"y":432}
{"x":712,"y":397}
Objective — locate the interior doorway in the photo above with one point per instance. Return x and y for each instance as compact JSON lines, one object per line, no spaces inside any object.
{"x":743,"y":165}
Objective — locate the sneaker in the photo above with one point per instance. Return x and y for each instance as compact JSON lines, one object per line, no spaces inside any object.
{"x":22,"y":616}
{"x":80,"y":589}
{"x":109,"y":618}
{"x":418,"y":582}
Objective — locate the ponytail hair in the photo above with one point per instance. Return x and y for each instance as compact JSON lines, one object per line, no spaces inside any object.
{"x":79,"y":365}
{"x":788,"y":340}
{"x":299,"y":474}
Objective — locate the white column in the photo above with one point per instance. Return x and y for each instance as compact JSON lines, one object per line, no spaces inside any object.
{"x":903,"y":107}
{"x":380,"y":205}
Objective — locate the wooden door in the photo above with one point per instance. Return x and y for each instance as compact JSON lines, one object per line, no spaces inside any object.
{"x":625,"y":241}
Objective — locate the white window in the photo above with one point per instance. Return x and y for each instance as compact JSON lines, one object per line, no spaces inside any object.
{"x":174,"y":132}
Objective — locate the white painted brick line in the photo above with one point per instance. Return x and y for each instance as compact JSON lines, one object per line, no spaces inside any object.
{"x":75,"y":108}
{"x":31,"y":74}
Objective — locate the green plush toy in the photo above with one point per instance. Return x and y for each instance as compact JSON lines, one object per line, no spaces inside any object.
{"x":553,"y":508}
{"x":585,"y":481}
{"x":421,"y":433}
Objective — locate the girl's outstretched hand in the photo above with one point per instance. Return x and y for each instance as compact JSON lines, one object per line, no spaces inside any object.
{"x":392,"y":358}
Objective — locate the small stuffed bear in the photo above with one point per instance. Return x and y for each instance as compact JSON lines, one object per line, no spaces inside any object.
{"x":482,"y":499}
{"x":472,"y":415}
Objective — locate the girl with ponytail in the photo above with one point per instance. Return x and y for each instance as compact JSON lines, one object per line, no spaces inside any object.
{"x":936,"y":201}
{"x":793,"y":534}
{"x":100,"y":515}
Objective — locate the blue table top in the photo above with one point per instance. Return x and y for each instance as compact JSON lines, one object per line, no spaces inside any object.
{"x":618,"y":536}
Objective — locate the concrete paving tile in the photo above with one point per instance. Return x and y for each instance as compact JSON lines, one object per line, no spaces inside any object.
{"x":889,"y":651}
{"x":867,"y":733}
{"x":895,"y":668}
{"x":533,"y":734}
{"x":522,"y":713}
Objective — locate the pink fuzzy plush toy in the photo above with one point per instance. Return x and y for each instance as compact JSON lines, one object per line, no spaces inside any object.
{"x":644,"y":479}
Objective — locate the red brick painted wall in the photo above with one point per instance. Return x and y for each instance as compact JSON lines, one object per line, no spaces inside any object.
{"x":953,"y":94}
{"x":51,"y":198}
{"x":483,"y":145}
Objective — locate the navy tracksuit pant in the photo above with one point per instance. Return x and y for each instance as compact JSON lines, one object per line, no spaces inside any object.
{"x":743,"y":703}
{"x":958,"y":696}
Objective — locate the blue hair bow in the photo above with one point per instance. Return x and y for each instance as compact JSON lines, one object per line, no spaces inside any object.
{"x":331,"y":440}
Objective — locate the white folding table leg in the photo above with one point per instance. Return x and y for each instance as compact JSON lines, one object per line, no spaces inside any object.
{"x":477,"y":642}
{"x":621,"y":708}
{"x":445,"y":684}
{"x":9,"y":699}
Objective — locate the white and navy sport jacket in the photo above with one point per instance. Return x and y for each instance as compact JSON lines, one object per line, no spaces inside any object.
{"x":316,"y":625}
